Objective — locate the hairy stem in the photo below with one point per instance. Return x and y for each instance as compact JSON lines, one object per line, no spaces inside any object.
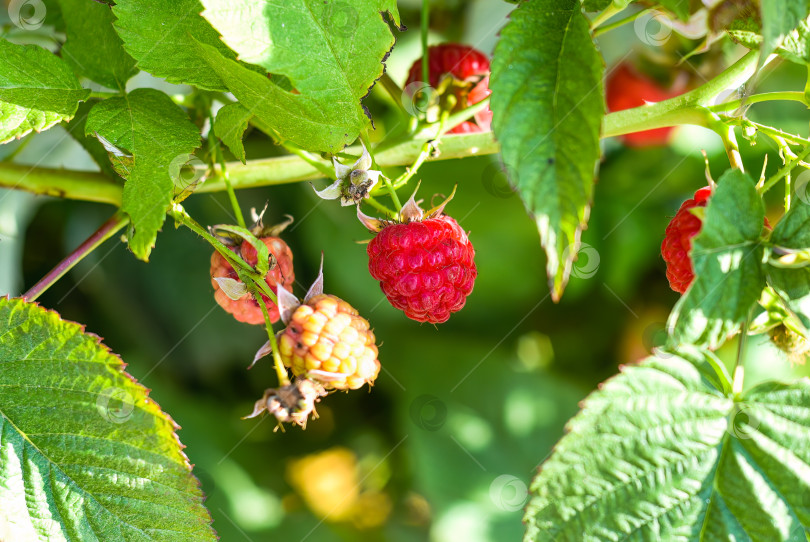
{"x":689,"y":108}
{"x":739,"y":368}
{"x":784,"y":170}
{"x":180,"y":215}
{"x":281,"y":371}
{"x":791,"y":96}
{"x":612,"y":26}
{"x":603,"y":17}
{"x":107,"y":230}
{"x":61,"y":183}
{"x":219,"y":159}
{"x":395,"y":92}
{"x":94,"y":186}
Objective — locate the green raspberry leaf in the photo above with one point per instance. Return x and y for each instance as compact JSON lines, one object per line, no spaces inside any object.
{"x":727,"y":259}
{"x":85,"y":454}
{"x":795,"y":46}
{"x":793,"y":284}
{"x":37,"y":90}
{"x":779,"y":18}
{"x":331,"y":53}
{"x":300,"y":119}
{"x":76,"y":128}
{"x":230,"y":125}
{"x":161,"y":35}
{"x":595,"y":5}
{"x":93,"y":48}
{"x":659,"y":452}
{"x":159,"y":136}
{"x":547,"y":103}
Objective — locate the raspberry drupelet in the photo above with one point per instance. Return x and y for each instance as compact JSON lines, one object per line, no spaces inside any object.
{"x":425,"y":262}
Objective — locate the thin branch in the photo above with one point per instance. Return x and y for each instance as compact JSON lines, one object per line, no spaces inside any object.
{"x":107,"y":230}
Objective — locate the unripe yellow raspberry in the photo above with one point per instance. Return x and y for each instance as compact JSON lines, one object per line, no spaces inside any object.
{"x":329,"y":342}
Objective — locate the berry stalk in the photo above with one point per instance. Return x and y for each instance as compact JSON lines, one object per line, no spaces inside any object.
{"x":784,"y":170}
{"x":107,"y":230}
{"x":739,"y":368}
{"x":216,"y":150}
{"x":281,"y":371}
{"x":179,"y":214}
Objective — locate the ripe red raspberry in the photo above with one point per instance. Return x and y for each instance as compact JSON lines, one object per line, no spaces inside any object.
{"x":246,"y":309}
{"x":626,"y":88}
{"x":425,"y":267}
{"x":470,"y":70}
{"x":678,"y":241}
{"x":328,"y":342}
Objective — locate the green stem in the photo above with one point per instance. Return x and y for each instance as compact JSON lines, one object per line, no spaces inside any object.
{"x":281,"y":371}
{"x":312,"y":160}
{"x":393,"y":193}
{"x":380,"y":207}
{"x":403,"y":179}
{"x":395,"y":92}
{"x":689,"y":108}
{"x":219,"y":159}
{"x":791,"y":96}
{"x":425,"y":28}
{"x":179,"y":213}
{"x":21,"y":147}
{"x":93,"y":186}
{"x":603,"y":17}
{"x":784,"y":170}
{"x":244,"y":270}
{"x":107,"y":230}
{"x":61,"y":183}
{"x":739,"y":367}
{"x":774,"y":133}
{"x":729,"y":139}
{"x":612,"y":26}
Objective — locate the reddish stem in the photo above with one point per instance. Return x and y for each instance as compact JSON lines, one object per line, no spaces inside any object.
{"x":107,"y":230}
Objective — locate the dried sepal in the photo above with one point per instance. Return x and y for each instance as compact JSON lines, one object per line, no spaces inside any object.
{"x":411,"y":212}
{"x":292,"y":403}
{"x":439,"y":209}
{"x":234,"y":289}
{"x":286,"y":302}
{"x":265,"y":350}
{"x":317,"y":286}
{"x":373,"y":225}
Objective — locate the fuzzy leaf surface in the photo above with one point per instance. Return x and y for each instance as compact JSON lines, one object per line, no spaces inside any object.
{"x":158,"y":134}
{"x":547,"y":102}
{"x":779,"y":18}
{"x":37,"y":90}
{"x":659,"y":452}
{"x":161,"y":36}
{"x":230,"y":125}
{"x":93,"y":48}
{"x":85,"y":454}
{"x":330,"y":52}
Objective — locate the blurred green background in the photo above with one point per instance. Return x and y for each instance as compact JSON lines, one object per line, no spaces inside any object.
{"x":445,"y":444}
